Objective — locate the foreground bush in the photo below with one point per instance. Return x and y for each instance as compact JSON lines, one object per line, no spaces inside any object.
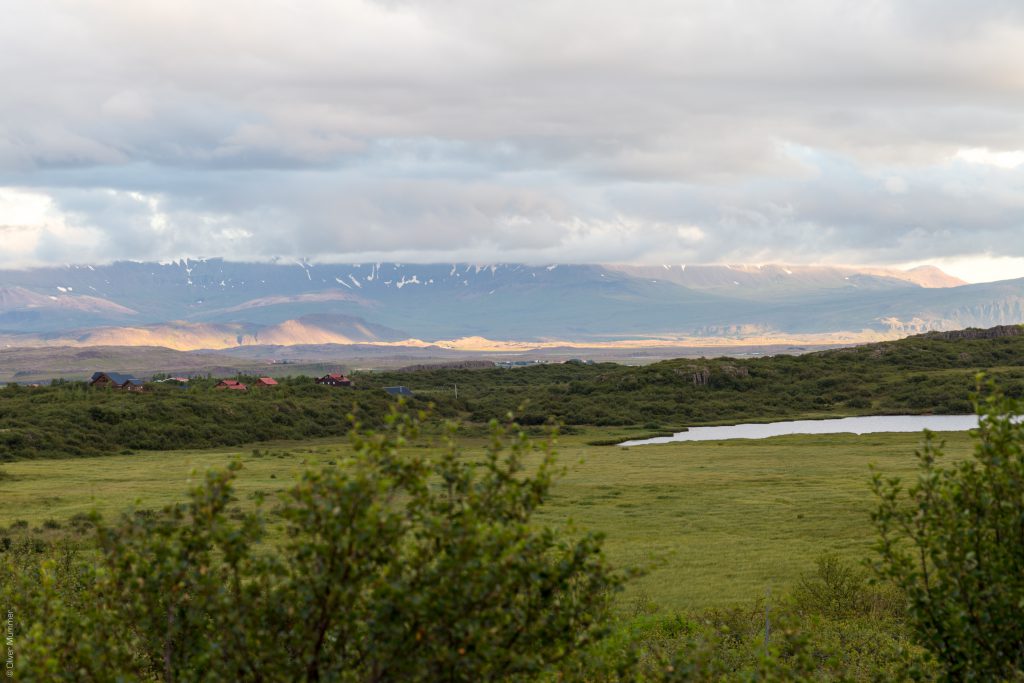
{"x":396,"y":569}
{"x":954,"y":542}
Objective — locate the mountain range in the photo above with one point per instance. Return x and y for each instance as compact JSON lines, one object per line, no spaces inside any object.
{"x":217,"y":304}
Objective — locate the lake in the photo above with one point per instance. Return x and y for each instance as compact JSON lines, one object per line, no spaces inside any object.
{"x":855,"y":425}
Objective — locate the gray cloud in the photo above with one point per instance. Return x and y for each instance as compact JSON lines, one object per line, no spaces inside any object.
{"x":794,"y":131}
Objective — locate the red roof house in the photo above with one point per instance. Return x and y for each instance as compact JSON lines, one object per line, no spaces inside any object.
{"x":230,"y":384}
{"x":334,"y":380}
{"x":266,"y":382}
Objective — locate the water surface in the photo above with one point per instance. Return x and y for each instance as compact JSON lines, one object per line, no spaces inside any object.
{"x":846,"y":425}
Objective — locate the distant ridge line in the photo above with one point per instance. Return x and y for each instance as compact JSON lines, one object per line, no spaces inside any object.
{"x":451,"y":365}
{"x":996,"y":332}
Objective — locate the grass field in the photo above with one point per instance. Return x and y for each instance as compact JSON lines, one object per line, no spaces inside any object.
{"x":712,"y":523}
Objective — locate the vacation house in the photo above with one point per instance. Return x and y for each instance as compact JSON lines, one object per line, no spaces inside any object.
{"x":115,"y":380}
{"x":334,"y":380}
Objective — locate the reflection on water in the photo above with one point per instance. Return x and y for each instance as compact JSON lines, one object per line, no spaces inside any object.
{"x":855,"y":425}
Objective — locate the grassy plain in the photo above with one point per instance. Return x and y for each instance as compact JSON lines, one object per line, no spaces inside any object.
{"x":712,"y":523}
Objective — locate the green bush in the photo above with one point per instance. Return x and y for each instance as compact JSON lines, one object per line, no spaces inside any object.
{"x":395,"y":568}
{"x":954,"y":542}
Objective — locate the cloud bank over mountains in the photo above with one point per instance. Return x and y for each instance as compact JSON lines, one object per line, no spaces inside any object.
{"x":794,"y":131}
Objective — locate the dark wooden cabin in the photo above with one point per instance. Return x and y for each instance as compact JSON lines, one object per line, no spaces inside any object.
{"x":115,"y":380}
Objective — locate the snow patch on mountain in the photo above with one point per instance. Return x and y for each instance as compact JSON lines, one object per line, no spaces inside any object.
{"x":407,"y":281}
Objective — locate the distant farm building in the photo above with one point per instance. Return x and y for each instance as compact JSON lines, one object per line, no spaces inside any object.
{"x":334,"y":380}
{"x":115,"y":380}
{"x":232,"y":384}
{"x":399,"y":391}
{"x":510,"y":364}
{"x":266,"y":382}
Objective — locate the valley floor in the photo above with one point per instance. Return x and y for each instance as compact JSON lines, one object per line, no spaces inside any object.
{"x":711,"y":523}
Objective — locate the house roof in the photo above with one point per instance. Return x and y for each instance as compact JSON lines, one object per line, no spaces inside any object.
{"x":333,"y":377}
{"x":116,"y":377}
{"x":267,"y":380}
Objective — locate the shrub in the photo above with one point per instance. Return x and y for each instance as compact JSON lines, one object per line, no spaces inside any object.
{"x":954,"y":542}
{"x":395,"y":568}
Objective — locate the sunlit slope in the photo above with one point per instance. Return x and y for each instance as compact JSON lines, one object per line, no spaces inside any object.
{"x":208,"y":304}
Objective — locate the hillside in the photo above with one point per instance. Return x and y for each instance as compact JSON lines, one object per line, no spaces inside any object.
{"x":71,"y":363}
{"x":932,"y":373}
{"x":217,"y":304}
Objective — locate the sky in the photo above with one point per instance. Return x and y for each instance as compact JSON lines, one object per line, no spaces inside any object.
{"x":814,"y":131}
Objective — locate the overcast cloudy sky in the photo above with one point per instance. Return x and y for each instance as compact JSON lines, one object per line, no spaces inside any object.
{"x":863,"y":132}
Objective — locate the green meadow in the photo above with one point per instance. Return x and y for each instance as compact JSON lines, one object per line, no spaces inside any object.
{"x":709,"y":523}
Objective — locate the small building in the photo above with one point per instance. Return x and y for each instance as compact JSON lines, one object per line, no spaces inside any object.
{"x":334,"y":380}
{"x":232,"y":384}
{"x":115,"y":380}
{"x":265,"y":382}
{"x":511,"y":364}
{"x":399,"y":391}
